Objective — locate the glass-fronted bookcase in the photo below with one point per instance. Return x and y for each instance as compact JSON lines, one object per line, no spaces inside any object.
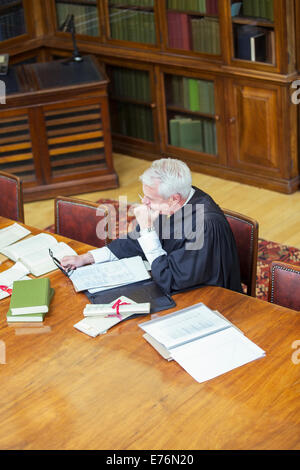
{"x":192,"y":78}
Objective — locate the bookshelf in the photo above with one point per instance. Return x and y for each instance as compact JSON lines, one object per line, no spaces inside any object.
{"x":193,"y":25}
{"x":243,"y":54}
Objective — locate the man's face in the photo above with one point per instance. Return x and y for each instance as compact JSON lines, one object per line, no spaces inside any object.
{"x":154,"y":201}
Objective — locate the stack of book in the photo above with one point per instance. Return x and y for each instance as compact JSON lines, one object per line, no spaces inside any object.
{"x":98,"y":318}
{"x":193,"y":134}
{"x":30,"y":300}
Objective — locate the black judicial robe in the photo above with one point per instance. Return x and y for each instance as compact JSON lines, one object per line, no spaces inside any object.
{"x":200,"y":248}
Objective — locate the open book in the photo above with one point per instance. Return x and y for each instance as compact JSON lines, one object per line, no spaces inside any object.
{"x":203,"y":342}
{"x":102,"y":276}
{"x":12,"y":234}
{"x":33,"y":253}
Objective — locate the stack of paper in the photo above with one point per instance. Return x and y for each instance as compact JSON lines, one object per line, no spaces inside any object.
{"x":102,"y":276}
{"x":100,"y":317}
{"x":12,"y":234}
{"x":30,"y":300}
{"x":33,"y":253}
{"x":203,"y":342}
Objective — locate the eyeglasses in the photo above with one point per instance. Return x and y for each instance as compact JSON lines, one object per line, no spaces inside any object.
{"x":57,"y":263}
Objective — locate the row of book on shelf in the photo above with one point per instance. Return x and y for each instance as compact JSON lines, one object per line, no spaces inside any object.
{"x":132,"y":3}
{"x":209,"y":7}
{"x":259,"y":9}
{"x":132,"y":25}
{"x":193,"y":134}
{"x":192,"y":94}
{"x":201,"y":34}
{"x":129,"y":83}
{"x":85,"y":17}
{"x":134,"y":120}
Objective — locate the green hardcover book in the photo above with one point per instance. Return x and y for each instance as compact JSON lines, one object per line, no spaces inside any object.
{"x":209,"y":139}
{"x":30,"y":296}
{"x":248,"y":8}
{"x":193,"y":94}
{"x":186,"y":94}
{"x":256,"y":8}
{"x":262,"y":9}
{"x":190,"y":135}
{"x":269,"y":10}
{"x":29,"y":317}
{"x":174,"y":132}
{"x":204,"y":97}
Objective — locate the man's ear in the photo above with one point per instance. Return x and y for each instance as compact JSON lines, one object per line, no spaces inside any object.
{"x":176,"y":198}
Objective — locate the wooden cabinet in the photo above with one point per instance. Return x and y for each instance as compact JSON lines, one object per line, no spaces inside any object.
{"x":260,"y":133}
{"x":242,"y":56}
{"x":55,"y":130}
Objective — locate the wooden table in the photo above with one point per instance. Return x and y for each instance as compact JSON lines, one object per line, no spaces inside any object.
{"x":61,"y":389}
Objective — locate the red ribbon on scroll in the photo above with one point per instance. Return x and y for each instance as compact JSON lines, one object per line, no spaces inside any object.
{"x":6,"y":289}
{"x":116,"y":306}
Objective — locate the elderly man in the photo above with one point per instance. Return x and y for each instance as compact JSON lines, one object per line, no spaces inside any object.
{"x":181,"y":231}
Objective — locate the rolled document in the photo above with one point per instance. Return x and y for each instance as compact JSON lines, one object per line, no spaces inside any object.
{"x":92,"y":310}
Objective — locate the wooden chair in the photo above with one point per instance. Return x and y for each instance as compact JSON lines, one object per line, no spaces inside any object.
{"x":11,"y":197}
{"x":284,"y":285}
{"x":81,"y":220}
{"x":245,"y":231}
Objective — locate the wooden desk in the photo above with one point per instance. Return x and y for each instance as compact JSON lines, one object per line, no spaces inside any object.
{"x":55,"y":128}
{"x":65,"y":390}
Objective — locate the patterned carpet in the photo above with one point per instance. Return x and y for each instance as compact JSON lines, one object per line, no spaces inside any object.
{"x":268,"y":251}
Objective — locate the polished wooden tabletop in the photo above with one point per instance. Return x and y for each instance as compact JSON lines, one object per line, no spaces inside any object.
{"x":61,"y":389}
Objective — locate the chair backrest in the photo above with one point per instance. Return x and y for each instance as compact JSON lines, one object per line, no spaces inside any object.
{"x":11,"y":197}
{"x":245,"y":231}
{"x":284,"y":285}
{"x":81,"y":220}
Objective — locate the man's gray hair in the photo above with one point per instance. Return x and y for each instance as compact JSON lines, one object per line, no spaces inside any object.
{"x":173,"y":175}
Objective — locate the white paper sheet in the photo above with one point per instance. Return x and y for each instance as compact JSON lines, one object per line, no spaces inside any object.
{"x":216,"y":354}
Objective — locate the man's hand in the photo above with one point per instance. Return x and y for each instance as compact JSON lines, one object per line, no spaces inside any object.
{"x":73,"y":262}
{"x":145,"y":216}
